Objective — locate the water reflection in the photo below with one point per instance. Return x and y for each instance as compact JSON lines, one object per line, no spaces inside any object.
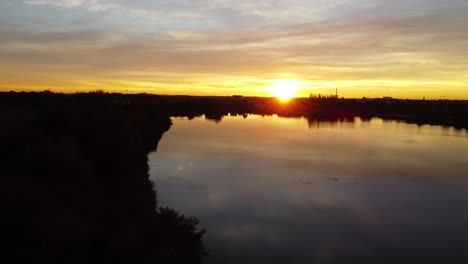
{"x":291,"y":190}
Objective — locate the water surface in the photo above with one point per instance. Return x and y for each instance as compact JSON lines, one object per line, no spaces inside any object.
{"x":285,"y":190}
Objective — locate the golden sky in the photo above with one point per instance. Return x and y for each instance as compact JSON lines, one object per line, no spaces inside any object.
{"x":372,"y":48}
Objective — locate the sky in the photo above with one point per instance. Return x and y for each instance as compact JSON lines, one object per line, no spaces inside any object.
{"x":364,"y":48}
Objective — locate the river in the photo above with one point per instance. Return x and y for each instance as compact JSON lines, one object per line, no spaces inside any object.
{"x":285,"y":190}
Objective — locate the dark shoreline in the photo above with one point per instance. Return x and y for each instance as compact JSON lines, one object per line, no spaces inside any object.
{"x":422,"y":112}
{"x":75,"y":187}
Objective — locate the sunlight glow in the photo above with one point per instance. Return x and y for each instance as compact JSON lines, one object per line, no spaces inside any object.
{"x":285,"y":89}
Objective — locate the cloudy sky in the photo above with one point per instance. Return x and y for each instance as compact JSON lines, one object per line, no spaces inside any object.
{"x":400,"y":48}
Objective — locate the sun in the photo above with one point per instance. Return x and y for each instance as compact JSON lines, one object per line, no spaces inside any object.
{"x":285,"y":89}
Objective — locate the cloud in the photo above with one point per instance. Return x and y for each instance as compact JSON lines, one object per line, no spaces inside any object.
{"x":60,"y":3}
{"x":353,"y":43}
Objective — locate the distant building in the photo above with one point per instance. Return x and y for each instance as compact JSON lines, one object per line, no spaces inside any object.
{"x":237,"y":96}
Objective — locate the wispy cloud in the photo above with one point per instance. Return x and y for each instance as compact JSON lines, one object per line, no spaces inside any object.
{"x":221,"y":46}
{"x":63,"y":3}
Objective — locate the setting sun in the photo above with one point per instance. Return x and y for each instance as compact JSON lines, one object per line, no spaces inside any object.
{"x":285,"y":89}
